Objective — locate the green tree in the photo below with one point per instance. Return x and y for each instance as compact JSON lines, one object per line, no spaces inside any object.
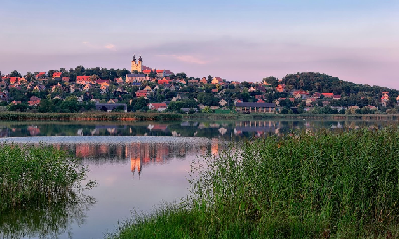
{"x":15,"y":73}
{"x":273,"y":81}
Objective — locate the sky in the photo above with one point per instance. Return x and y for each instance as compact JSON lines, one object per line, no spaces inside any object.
{"x":356,"y":40}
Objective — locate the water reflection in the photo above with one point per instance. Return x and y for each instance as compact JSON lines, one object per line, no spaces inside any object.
{"x":227,"y":130}
{"x":134,"y":174}
{"x":46,"y":219}
{"x":140,"y":155}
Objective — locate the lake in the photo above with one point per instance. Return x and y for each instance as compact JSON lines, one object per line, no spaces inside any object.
{"x":137,"y":166}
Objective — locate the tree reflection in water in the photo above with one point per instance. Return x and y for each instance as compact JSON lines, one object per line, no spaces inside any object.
{"x":46,"y":219}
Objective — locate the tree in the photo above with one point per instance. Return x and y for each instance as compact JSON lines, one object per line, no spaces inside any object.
{"x":70,"y":105}
{"x":273,"y":81}
{"x":18,"y":107}
{"x":15,"y":73}
{"x":181,"y":75}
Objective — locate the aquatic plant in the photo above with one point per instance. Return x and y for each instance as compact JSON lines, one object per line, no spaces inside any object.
{"x":36,"y":175}
{"x":304,"y":185}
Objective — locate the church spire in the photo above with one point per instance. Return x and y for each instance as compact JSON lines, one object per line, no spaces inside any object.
{"x":140,"y":59}
{"x":134,"y":58}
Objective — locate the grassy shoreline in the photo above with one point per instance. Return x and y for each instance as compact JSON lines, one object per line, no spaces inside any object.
{"x":89,"y":116}
{"x":308,"y":185}
{"x":134,"y":117}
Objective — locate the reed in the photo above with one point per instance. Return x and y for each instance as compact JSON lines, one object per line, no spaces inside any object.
{"x":35,"y":175}
{"x":304,"y":185}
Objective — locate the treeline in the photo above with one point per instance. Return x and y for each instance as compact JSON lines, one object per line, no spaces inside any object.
{"x":317,"y":82}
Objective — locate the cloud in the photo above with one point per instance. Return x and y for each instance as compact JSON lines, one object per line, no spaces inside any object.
{"x":93,"y":46}
{"x":187,"y":59}
{"x":110,"y":46}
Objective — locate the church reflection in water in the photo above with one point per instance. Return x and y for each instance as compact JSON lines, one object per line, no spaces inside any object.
{"x":141,"y":155}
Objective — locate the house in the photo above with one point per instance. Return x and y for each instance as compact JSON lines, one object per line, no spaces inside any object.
{"x":222,"y":102}
{"x":163,"y":73}
{"x":300,"y":94}
{"x":258,"y":97}
{"x":142,"y":93}
{"x":251,"y":89}
{"x":56,"y":87}
{"x":328,"y":95}
{"x":164,"y":81}
{"x":83,"y":80}
{"x":280,"y":88}
{"x":385,"y":99}
{"x":217,"y":80}
{"x":119,"y":80}
{"x":65,"y":79}
{"x":113,"y":101}
{"x":39,"y":88}
{"x":87,"y":87}
{"x":203,"y":80}
{"x":215,"y":90}
{"x":310,"y":101}
{"x":14,"y":80}
{"x":40,"y":75}
{"x":103,"y":82}
{"x":130,"y":78}
{"x":157,"y":106}
{"x":336,"y":97}
{"x":316,"y":95}
{"x":15,"y":102}
{"x":34,"y":101}
{"x":147,"y":88}
{"x":249,"y":107}
{"x":108,"y":107}
{"x":193,"y":82}
{"x":104,"y":88}
{"x":57,"y":75}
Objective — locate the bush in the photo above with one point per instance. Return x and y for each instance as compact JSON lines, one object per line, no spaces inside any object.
{"x":31,"y":174}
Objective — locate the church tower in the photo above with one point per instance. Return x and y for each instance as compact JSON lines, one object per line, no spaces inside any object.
{"x":137,"y":66}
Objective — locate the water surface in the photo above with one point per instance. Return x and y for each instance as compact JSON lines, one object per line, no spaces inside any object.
{"x":136,"y":165}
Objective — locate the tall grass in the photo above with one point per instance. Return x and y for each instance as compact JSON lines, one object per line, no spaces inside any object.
{"x":30,"y":175}
{"x":306,"y":185}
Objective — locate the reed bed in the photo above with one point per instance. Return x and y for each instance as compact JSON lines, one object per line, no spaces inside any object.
{"x":304,"y":185}
{"x":37,"y":175}
{"x":15,"y":116}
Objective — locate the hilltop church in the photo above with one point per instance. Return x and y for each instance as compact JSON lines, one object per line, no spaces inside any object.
{"x":140,"y":68}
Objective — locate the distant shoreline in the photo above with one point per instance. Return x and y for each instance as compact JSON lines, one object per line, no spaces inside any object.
{"x":136,"y":117}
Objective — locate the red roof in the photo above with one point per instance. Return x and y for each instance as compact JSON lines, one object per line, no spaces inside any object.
{"x":40,"y":74}
{"x":159,"y":71}
{"x":147,"y":71}
{"x":328,"y":94}
{"x":14,"y":80}
{"x":57,"y":74}
{"x":82,"y":78}
{"x":161,"y":82}
{"x":158,"y":105}
{"x":102,"y":82}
